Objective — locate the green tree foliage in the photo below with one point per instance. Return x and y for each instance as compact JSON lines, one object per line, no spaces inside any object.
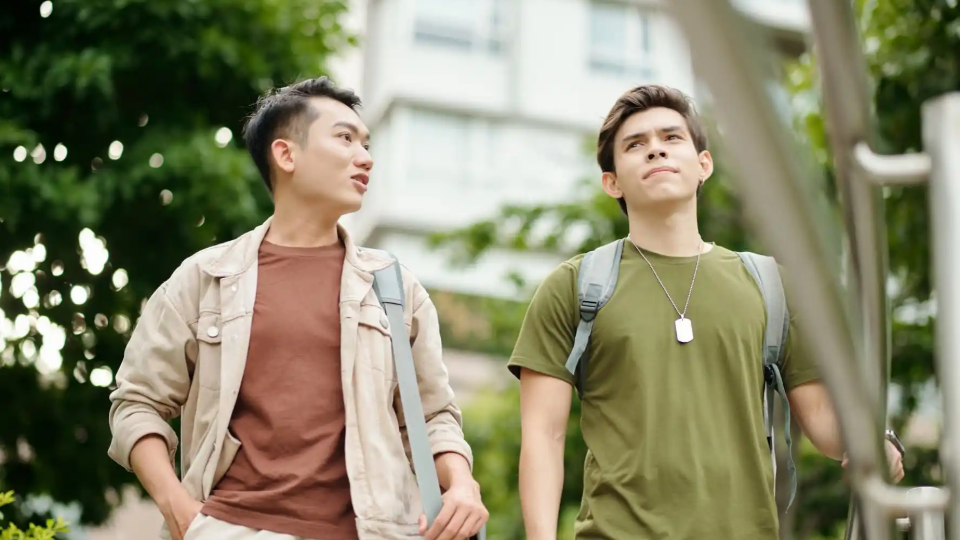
{"x":912,"y":49}
{"x":115,"y":167}
{"x":34,"y":532}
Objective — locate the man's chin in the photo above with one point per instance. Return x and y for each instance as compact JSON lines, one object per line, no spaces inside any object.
{"x":668,"y":198}
{"x":339,"y":206}
{"x":351,"y":206}
{"x":350,"y":210}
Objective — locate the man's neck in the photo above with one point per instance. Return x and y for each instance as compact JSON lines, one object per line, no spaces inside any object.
{"x":300,"y":226}
{"x":674,"y":234}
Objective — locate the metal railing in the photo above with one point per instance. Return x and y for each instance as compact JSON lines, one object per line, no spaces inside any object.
{"x":847,"y":326}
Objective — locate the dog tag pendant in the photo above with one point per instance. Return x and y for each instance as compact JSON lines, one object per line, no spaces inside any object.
{"x":684,"y":330}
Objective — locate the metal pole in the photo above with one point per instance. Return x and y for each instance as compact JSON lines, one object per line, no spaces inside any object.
{"x":941,"y":140}
{"x":927,"y":525}
{"x":899,"y":170}
{"x":849,"y":122}
{"x":776,"y":190}
{"x":847,"y":115}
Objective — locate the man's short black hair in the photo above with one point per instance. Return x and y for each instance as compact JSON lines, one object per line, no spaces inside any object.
{"x":287,"y":113}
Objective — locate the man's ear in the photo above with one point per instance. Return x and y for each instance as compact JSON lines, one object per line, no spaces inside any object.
{"x":706,"y":165}
{"x":283,"y":153}
{"x":611,"y":185}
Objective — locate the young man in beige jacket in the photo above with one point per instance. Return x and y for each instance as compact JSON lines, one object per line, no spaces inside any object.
{"x":275,"y":352}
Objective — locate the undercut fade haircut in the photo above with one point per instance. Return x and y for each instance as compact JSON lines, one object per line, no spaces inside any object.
{"x":640,"y":99}
{"x":286,"y":113}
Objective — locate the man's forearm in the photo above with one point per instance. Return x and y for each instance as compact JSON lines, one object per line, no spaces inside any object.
{"x":817,"y":417}
{"x":150,"y":460}
{"x":541,"y":485}
{"x":828,"y":441}
{"x":452,"y":468}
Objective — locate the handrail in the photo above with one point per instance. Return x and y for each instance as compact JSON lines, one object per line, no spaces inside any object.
{"x":941,"y":140}
{"x":850,"y":124}
{"x":847,"y":329}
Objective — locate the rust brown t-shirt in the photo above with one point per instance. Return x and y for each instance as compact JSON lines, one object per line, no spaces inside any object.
{"x":290,"y":474}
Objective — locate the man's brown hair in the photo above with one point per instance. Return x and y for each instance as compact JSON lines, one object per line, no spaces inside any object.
{"x":639,"y":99}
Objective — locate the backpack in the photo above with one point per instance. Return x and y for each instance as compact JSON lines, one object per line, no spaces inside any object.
{"x":388,"y":286}
{"x":596,"y":281}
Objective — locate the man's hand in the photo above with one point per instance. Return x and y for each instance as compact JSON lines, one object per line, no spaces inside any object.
{"x":462,"y":515}
{"x":895,"y":460}
{"x":893,"y":457}
{"x":179,"y":513}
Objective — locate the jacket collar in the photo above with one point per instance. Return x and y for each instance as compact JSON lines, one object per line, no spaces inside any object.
{"x":242,"y":253}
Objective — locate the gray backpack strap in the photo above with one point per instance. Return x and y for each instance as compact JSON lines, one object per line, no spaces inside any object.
{"x":767,"y":275}
{"x":388,"y":285}
{"x":596,"y":281}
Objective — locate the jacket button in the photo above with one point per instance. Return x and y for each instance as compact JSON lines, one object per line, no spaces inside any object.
{"x":213,"y":331}
{"x":383,"y":321}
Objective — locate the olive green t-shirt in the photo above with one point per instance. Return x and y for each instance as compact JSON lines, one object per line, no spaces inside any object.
{"x":675,"y":436}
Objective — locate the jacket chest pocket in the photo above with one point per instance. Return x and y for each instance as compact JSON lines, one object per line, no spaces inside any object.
{"x":375,"y":350}
{"x":209,"y":336}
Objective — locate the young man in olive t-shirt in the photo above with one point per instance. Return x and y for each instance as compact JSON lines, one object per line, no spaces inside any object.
{"x":675,"y":435}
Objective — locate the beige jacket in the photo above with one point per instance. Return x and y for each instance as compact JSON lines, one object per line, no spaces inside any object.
{"x":186,"y":357}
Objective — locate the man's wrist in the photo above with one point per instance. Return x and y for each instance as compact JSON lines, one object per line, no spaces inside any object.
{"x":169,"y":495}
{"x":453,"y":469}
{"x":890,"y":437}
{"x":460,"y":475}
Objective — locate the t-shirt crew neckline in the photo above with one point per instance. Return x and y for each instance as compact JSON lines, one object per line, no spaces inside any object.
{"x":658,"y":258}
{"x":291,"y":251}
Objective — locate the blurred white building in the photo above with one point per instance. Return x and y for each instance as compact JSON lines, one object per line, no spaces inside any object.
{"x":474,"y":104}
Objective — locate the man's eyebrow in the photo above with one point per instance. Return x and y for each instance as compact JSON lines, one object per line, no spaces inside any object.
{"x":643,"y":134}
{"x":352,"y":127}
{"x":635,"y":136}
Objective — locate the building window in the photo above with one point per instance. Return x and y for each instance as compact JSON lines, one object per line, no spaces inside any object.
{"x":620,"y":40}
{"x":462,"y":24}
{"x":439,"y":142}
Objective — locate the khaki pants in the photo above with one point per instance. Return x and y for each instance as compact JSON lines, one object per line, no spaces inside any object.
{"x":210,"y":528}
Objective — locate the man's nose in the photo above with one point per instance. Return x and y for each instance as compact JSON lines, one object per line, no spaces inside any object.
{"x":364,"y":160}
{"x":656,"y":153}
{"x":655,"y":149}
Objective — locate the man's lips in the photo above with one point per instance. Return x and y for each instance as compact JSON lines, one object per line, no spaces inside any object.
{"x":361,"y":180}
{"x":652,"y":172}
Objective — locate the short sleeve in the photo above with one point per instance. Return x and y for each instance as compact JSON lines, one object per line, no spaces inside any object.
{"x":549,"y":325}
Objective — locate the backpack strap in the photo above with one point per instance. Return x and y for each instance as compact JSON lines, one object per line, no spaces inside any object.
{"x":596,"y":281}
{"x":767,"y":275}
{"x":388,"y":286}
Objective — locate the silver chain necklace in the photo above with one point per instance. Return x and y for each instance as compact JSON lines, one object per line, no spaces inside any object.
{"x":683,"y":325}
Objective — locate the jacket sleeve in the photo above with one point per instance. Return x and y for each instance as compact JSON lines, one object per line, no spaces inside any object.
{"x":153,"y":380}
{"x":443,"y":418}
